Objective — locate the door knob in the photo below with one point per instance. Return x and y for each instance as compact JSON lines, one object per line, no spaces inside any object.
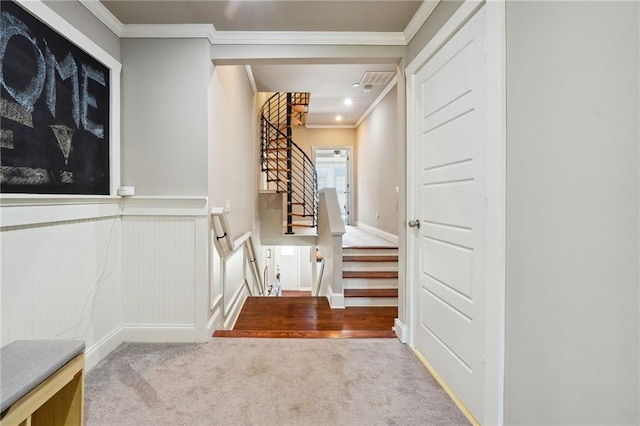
{"x":414,"y":223}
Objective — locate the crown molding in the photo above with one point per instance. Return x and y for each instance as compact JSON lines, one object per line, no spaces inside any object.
{"x":169,"y":31}
{"x":261,"y":37}
{"x":419,"y":18}
{"x":252,"y":79}
{"x":104,"y":15}
{"x":379,"y":99}
{"x":309,"y":38}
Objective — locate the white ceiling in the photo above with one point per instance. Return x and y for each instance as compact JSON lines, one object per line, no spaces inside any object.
{"x":329,"y":84}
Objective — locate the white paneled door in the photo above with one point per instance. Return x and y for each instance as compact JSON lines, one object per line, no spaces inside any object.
{"x":450,"y":183}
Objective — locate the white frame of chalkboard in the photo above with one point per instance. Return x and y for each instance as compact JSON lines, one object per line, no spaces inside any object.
{"x":57,"y":23}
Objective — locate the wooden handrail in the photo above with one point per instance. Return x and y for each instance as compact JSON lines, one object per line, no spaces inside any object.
{"x":245,"y":240}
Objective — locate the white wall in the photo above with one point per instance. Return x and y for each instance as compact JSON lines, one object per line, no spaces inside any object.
{"x":165,"y":115}
{"x":307,"y":138}
{"x":61,"y":271}
{"x":572,"y":321}
{"x":165,"y":266}
{"x":377,"y":159}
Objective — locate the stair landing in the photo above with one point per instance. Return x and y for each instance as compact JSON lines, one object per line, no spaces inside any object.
{"x":309,"y":317}
{"x":355,"y":238}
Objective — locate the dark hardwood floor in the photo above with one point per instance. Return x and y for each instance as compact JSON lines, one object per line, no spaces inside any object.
{"x":309,"y":317}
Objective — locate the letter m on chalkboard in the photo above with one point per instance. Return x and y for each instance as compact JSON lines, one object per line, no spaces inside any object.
{"x":54,"y":111}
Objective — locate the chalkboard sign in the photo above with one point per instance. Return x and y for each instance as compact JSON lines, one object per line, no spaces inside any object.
{"x":54,"y":111}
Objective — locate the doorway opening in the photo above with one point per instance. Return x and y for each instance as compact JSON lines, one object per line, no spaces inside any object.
{"x":333,"y":166}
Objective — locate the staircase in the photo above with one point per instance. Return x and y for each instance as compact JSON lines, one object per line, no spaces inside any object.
{"x":286,"y":167}
{"x":370,"y":276}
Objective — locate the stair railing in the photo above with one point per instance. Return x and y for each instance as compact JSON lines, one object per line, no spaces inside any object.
{"x":284,"y":163}
{"x":223,"y":233}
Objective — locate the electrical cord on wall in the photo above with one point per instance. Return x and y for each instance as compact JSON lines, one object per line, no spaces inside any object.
{"x":96,"y":284}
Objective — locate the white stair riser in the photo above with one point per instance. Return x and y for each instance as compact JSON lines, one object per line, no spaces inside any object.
{"x":371,"y":301}
{"x":369,"y":266}
{"x":370,"y":252}
{"x":353,"y":283}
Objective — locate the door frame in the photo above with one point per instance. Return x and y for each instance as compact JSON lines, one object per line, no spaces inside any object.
{"x":494,"y":315}
{"x":350,"y":197}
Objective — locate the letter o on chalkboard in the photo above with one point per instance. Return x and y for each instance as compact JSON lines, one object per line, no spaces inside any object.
{"x":27,"y":95}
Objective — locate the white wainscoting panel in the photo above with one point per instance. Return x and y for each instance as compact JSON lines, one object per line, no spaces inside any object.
{"x":62,"y":280}
{"x":159,"y":270}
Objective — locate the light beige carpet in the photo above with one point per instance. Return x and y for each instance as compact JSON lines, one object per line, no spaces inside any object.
{"x":266,"y":382}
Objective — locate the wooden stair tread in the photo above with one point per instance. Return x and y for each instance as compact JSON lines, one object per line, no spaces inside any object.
{"x":299,"y":214}
{"x":295,"y":121}
{"x":371,"y":292}
{"x":301,"y":225}
{"x":369,"y":274}
{"x":349,"y":258}
{"x":319,"y":334}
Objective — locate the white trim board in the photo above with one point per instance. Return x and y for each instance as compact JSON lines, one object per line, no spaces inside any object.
{"x":165,"y":206}
{"x":26,"y":209}
{"x":419,"y":18}
{"x":169,"y":31}
{"x":252,"y":79}
{"x":104,"y":15}
{"x":209,"y":32}
{"x":178,"y":333}
{"x":401,"y":330}
{"x":33,"y":210}
{"x":104,"y":347}
{"x":379,"y":233}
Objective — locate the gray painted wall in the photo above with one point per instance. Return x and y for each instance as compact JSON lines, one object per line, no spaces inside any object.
{"x":234,"y":146}
{"x":377,"y":158}
{"x":572,"y":213}
{"x":78,"y":16}
{"x":440,"y":15}
{"x":165,"y":115}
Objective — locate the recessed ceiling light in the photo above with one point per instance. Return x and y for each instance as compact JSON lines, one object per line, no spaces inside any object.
{"x":348,"y":101}
{"x":338,"y":118}
{"x":355,"y":85}
{"x":367,"y":88}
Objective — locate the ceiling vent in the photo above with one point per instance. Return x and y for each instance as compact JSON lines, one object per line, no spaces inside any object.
{"x":377,"y":78}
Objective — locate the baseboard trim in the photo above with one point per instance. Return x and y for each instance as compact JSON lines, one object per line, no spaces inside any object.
{"x":214,"y":322}
{"x":163,"y":333}
{"x":446,"y":388}
{"x":336,"y":300}
{"x":401,"y":330}
{"x":234,"y":312}
{"x":104,"y":347}
{"x":379,"y":233}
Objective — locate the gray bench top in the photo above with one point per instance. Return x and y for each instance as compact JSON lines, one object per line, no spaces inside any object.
{"x":24,"y":364}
